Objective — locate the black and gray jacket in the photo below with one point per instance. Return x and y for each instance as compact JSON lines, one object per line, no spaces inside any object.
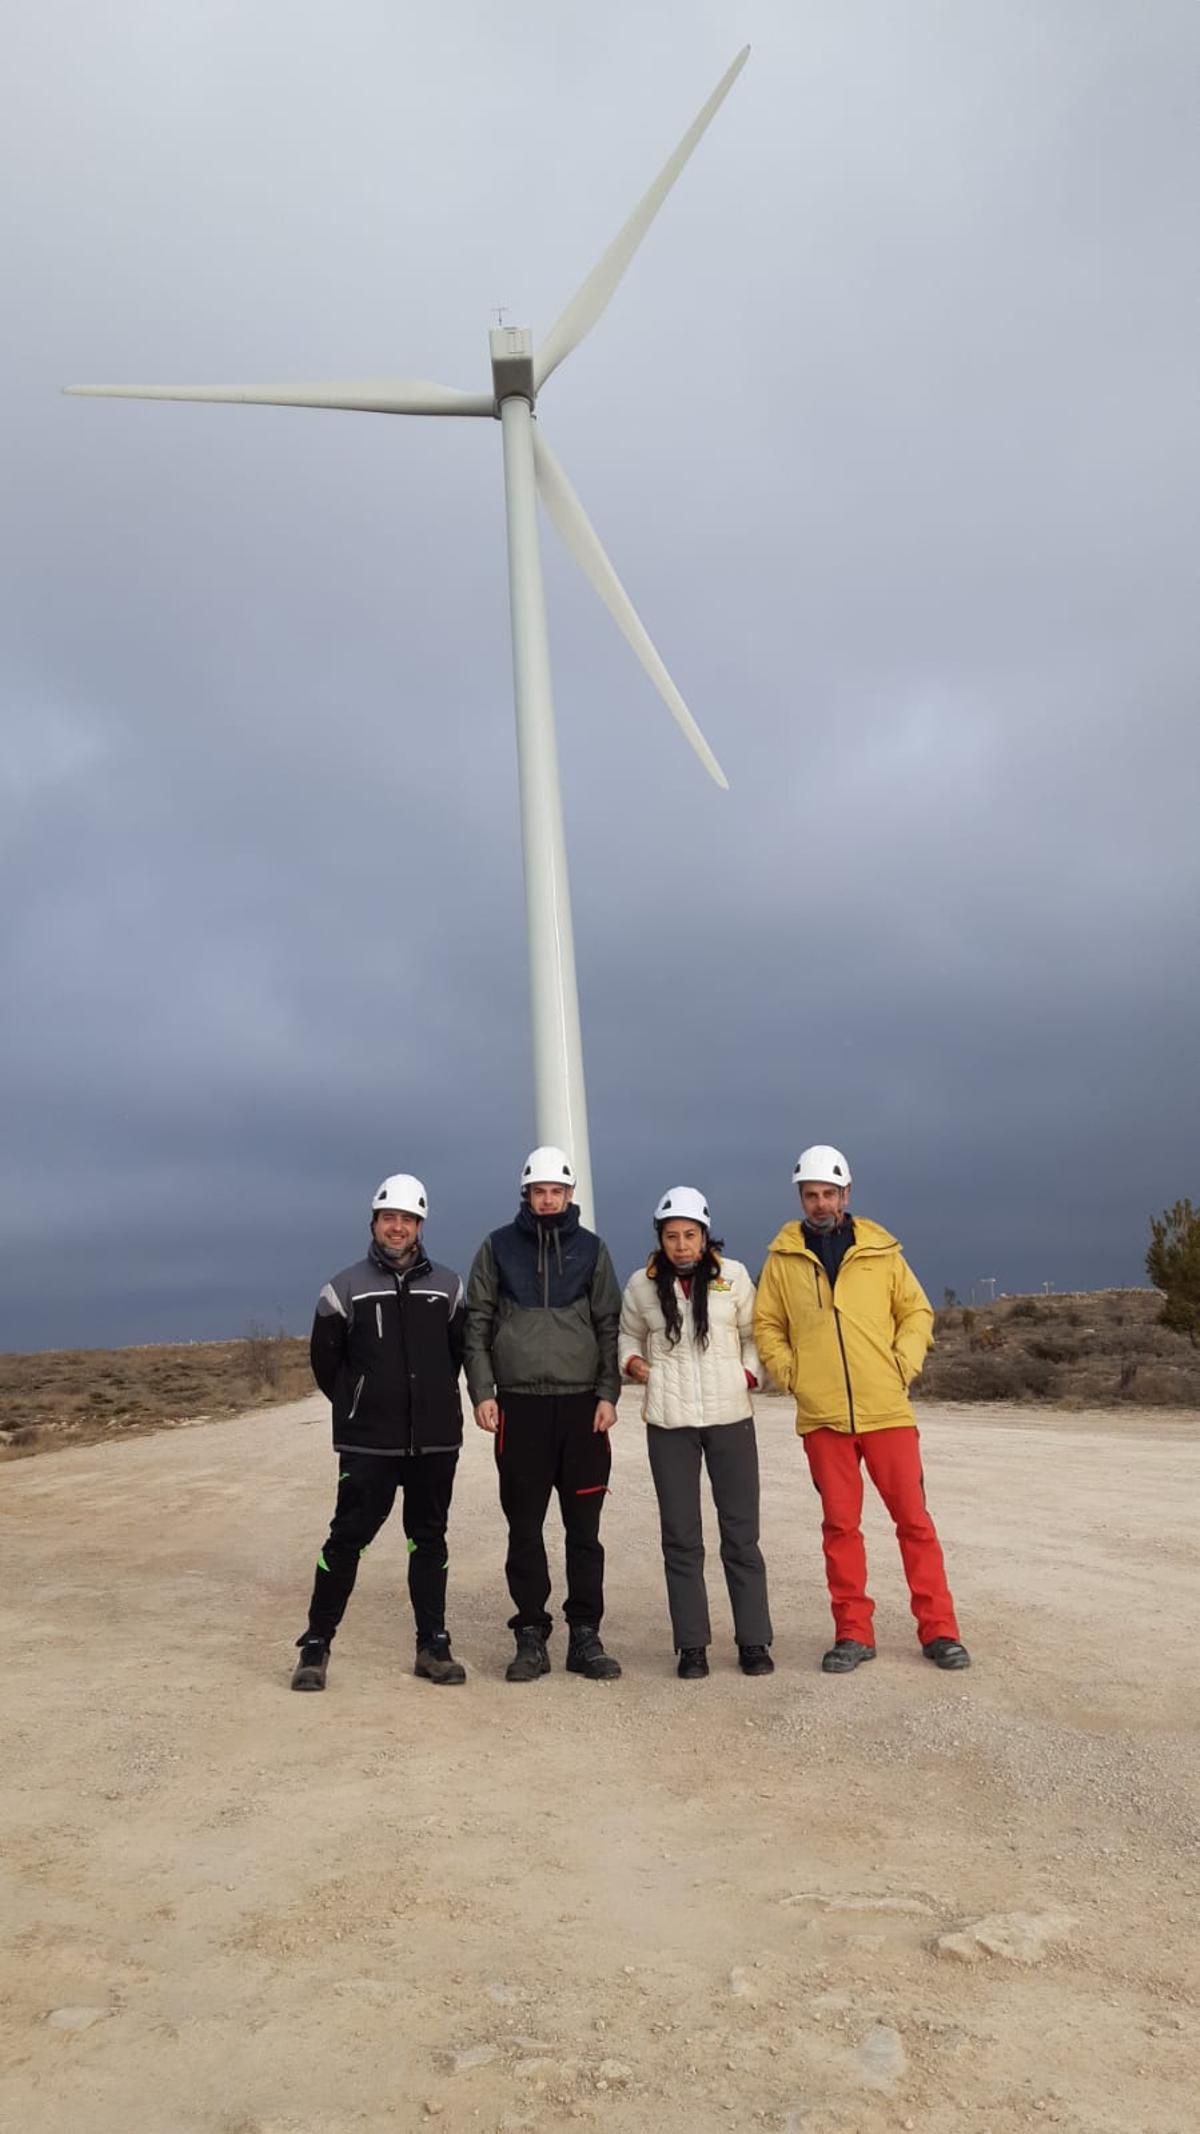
{"x":543,"y":1309}
{"x":387,"y":1349}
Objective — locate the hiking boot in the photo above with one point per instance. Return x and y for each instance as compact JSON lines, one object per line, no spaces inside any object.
{"x":311,"y":1666}
{"x":530,"y":1659}
{"x":693,"y":1663}
{"x":845,"y":1655}
{"x":436,"y":1662}
{"x":947,"y":1652}
{"x":586,"y":1655}
{"x":755,"y":1660}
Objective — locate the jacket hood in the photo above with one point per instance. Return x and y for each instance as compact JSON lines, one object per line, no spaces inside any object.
{"x":533,"y":1225}
{"x":868,"y":1237}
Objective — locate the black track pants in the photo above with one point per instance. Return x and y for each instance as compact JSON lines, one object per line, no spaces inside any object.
{"x":545,"y":1442}
{"x":367,"y":1486}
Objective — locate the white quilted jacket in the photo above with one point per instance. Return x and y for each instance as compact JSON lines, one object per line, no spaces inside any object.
{"x":692,"y":1387}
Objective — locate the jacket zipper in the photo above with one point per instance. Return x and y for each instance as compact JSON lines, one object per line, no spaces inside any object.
{"x":837,"y":1321}
{"x":357,"y":1397}
{"x":412,"y":1405}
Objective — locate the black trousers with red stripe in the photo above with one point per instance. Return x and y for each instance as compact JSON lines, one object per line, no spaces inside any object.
{"x":546,"y":1441}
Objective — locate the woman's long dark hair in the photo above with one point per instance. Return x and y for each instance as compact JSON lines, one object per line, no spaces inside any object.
{"x":707,"y":1268}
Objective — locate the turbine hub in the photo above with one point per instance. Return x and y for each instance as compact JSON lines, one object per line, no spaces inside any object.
{"x":512,"y":363}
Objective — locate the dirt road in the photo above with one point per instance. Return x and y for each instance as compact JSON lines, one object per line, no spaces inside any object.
{"x":646,"y":1905}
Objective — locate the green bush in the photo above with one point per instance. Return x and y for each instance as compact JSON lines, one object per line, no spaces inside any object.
{"x":1173,"y":1265}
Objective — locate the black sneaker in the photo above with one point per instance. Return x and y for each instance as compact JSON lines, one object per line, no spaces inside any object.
{"x":530,"y":1659}
{"x":586,"y":1655}
{"x":693,"y":1663}
{"x":436,"y":1662}
{"x":311,"y":1666}
{"x":755,"y":1660}
{"x":845,"y":1655}
{"x":947,"y":1652}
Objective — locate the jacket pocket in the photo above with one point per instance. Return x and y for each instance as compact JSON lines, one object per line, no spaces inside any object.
{"x":357,"y":1396}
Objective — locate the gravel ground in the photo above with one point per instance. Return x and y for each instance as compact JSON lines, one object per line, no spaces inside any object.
{"x":954,"y":1904}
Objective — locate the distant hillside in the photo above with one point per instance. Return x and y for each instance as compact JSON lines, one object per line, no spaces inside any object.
{"x":1094,"y":1348}
{"x":1097,"y":1348}
{"x":76,"y":1396}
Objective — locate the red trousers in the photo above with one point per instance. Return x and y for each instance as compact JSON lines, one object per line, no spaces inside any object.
{"x":892,"y":1458}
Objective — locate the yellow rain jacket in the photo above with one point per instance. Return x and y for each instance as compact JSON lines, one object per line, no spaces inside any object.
{"x":847,"y":1355}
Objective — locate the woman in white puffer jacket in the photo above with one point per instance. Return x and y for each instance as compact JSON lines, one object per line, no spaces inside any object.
{"x":686,"y":1337}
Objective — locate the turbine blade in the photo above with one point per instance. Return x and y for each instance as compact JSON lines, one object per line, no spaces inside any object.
{"x":373,"y":396}
{"x":592,"y":295}
{"x":576,"y":530}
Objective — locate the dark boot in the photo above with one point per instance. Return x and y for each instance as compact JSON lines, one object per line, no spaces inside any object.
{"x":755,"y":1660}
{"x":947,"y":1652}
{"x":586,"y":1655}
{"x":312,"y":1664}
{"x":436,"y":1662}
{"x":693,"y":1663}
{"x":530,"y":1659}
{"x":845,"y":1655}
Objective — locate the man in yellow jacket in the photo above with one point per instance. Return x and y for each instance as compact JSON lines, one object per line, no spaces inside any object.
{"x":842,"y":1322}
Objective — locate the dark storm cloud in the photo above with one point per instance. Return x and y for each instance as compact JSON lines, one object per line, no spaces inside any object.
{"x":892,"y":434}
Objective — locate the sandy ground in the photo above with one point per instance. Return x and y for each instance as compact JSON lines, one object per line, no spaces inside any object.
{"x":648,"y":1904}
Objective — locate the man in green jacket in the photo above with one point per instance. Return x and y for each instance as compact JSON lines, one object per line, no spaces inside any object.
{"x":543,"y":1308}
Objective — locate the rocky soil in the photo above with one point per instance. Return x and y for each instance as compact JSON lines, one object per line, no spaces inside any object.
{"x":952,"y":1904}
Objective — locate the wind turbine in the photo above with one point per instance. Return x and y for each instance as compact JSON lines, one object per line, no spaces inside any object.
{"x":530,"y":469}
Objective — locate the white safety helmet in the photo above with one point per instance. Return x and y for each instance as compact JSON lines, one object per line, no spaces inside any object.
{"x":402,"y":1191}
{"x":547,"y":1167}
{"x":821,"y":1166}
{"x":683,"y":1204}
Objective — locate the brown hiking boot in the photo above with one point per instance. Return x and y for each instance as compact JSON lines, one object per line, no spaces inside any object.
{"x":312,"y":1664}
{"x":436,"y":1662}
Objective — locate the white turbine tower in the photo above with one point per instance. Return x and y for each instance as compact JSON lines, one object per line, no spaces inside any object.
{"x":530,"y":468}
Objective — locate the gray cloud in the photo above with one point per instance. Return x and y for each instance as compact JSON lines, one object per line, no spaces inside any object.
{"x":892,"y":433}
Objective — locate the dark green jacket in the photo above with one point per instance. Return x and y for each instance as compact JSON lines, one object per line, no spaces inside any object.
{"x":543,"y":1309}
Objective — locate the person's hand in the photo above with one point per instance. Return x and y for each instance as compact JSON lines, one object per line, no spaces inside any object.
{"x":606,"y":1415}
{"x":487,"y":1415}
{"x":751,"y":1381}
{"x":639,"y":1370}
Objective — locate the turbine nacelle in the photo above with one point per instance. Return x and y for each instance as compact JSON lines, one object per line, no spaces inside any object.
{"x":512,"y":363}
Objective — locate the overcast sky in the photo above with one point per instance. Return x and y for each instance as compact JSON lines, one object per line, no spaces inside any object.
{"x":893,"y":434}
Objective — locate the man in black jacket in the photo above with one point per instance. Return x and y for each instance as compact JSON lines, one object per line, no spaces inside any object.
{"x":543,"y":1309}
{"x":386,"y":1350}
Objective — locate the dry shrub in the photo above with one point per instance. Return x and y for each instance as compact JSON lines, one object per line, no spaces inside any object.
{"x":986,"y":1337}
{"x":1091,"y":1349}
{"x":993,"y":1377}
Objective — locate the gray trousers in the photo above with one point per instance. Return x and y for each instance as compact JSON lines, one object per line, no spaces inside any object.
{"x":730,"y":1453}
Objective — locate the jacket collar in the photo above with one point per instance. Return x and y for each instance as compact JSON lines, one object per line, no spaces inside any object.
{"x":419,"y":1264}
{"x":532,"y":1225}
{"x":652,"y":1266}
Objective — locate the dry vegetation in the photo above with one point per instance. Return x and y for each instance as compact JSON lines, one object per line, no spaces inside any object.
{"x":74,"y":1396}
{"x":1092,"y":1349}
